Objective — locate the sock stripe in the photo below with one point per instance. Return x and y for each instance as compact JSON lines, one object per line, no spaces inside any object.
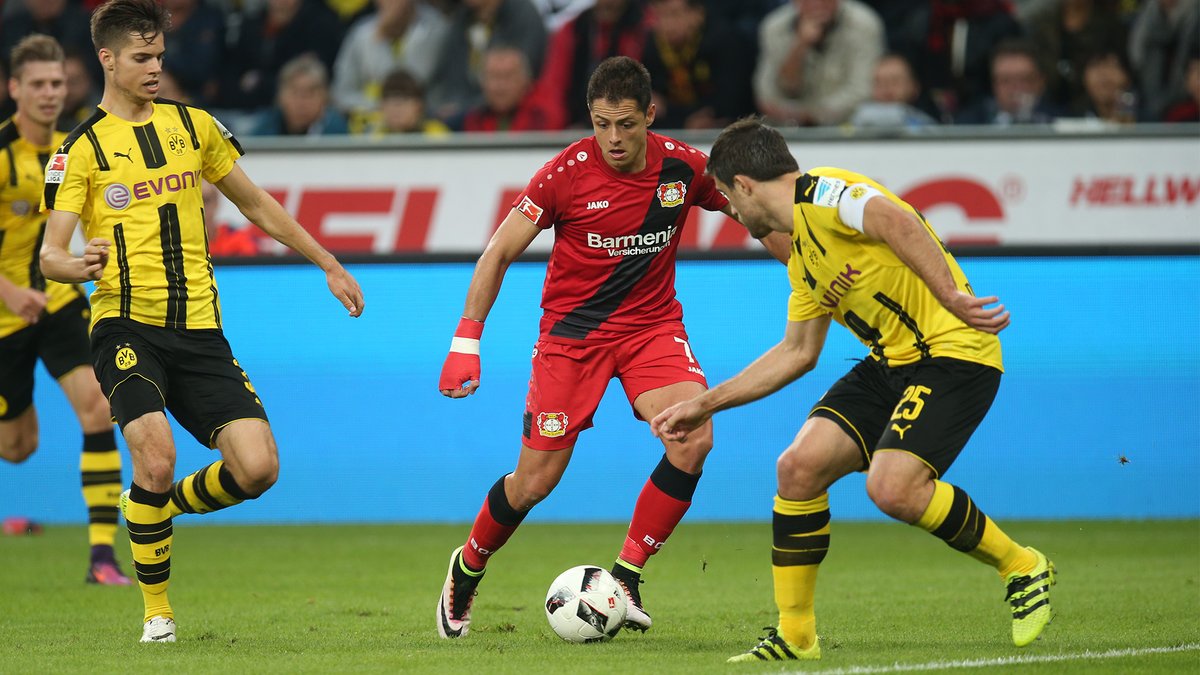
{"x":800,"y":542}
{"x":153,"y":573}
{"x":101,"y":441}
{"x":152,"y":538}
{"x":229,"y":485}
{"x":809,"y":522}
{"x":953,"y":523}
{"x":674,"y":482}
{"x":89,"y":478}
{"x":200,"y":486}
{"x":148,"y":528}
{"x":179,"y":500}
{"x":141,"y":495}
{"x":499,"y":507}
{"x":106,"y":515}
{"x":972,"y":532}
{"x":798,"y":558}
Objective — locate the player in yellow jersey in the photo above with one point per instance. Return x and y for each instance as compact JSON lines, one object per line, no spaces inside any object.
{"x":868,"y":260}
{"x":42,"y":319}
{"x":132,"y":174}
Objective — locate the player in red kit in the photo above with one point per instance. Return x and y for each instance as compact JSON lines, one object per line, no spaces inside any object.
{"x":616,"y":201}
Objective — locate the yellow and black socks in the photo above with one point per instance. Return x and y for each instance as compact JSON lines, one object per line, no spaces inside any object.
{"x":149,"y":523}
{"x":100,"y":473}
{"x":953,"y":517}
{"x":801,"y":540}
{"x":209,"y":489}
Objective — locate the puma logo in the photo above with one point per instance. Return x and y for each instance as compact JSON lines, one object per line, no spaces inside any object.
{"x":901,"y":431}
{"x":124,"y":154}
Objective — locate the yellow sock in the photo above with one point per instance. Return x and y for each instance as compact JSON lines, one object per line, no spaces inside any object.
{"x":953,"y":517}
{"x":100,"y":473}
{"x":801,"y":540}
{"x":150,"y":535}
{"x":209,"y":489}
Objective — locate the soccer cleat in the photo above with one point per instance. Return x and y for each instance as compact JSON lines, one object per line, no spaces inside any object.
{"x":106,"y":573}
{"x":159,"y":629}
{"x":636,"y":617}
{"x":773,"y":647}
{"x":1029,"y":595}
{"x":123,"y":503}
{"x":458,"y":594}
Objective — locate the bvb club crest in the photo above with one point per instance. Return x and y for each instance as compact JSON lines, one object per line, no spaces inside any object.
{"x":671,"y":194}
{"x":552,"y":425}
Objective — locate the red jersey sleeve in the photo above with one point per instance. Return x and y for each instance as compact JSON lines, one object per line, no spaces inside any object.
{"x":707,"y":196}
{"x":546,"y":195}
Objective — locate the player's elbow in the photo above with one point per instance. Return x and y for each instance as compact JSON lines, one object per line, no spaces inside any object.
{"x":46,"y":262}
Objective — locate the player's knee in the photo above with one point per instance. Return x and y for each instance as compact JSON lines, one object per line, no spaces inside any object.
{"x":258,"y":477}
{"x":798,"y":476}
{"x":895,"y":498}
{"x":18,"y":448}
{"x":97,"y":414}
{"x":158,"y":472}
{"x":525,"y":493}
{"x":689,"y":455}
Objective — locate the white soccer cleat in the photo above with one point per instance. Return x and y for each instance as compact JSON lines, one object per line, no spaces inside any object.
{"x":159,"y":629}
{"x":458,"y":594}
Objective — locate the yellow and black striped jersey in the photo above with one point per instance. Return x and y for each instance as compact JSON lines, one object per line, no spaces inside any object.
{"x":22,"y":167}
{"x":835,"y":269}
{"x":138,"y":186}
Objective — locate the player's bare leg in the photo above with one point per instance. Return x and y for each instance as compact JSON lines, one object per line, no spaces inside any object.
{"x":904,"y":487}
{"x":506,"y":505}
{"x":148,"y":518}
{"x":19,"y":436}
{"x":100,"y":471}
{"x":665,"y":497}
{"x":819,"y":456}
{"x":249,"y":453}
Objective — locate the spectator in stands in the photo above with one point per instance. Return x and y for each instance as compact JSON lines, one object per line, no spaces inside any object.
{"x":1164,"y":34}
{"x":1109,"y":88}
{"x":402,"y":109}
{"x":1018,"y":90}
{"x":348,"y":12}
{"x":816,"y":59}
{"x":700,"y":70}
{"x":950,"y":43}
{"x":195,"y":43}
{"x":507,"y":104}
{"x":1065,"y":33}
{"x":474,"y":27}
{"x":62,"y":20}
{"x":1188,"y":109}
{"x":225,"y":241}
{"x":609,"y":28}
{"x":278,"y":32}
{"x":404,"y":34}
{"x":894,"y":95}
{"x":302,"y":107}
{"x":170,"y":88}
{"x":82,"y":93}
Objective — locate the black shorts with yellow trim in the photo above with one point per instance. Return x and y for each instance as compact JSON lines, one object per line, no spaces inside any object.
{"x":928,"y":409}
{"x":192,"y":373}
{"x":60,"y":340}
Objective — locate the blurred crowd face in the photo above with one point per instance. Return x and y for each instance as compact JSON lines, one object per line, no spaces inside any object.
{"x":676,"y":21}
{"x":1016,"y":83}
{"x":894,"y":82}
{"x":608,"y":11}
{"x":401,"y":114}
{"x":302,"y":100}
{"x":505,"y":80}
{"x":393,"y":11}
{"x":1192,"y":82}
{"x":1105,"y":81}
{"x":39,"y":90}
{"x":79,"y":82}
{"x":818,"y":11}
{"x":45,"y":10}
{"x":282,"y":11}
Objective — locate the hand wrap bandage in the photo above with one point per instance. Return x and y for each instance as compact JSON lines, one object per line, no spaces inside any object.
{"x":461,"y":368}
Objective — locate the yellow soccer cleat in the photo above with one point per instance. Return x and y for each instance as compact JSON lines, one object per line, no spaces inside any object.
{"x":774,"y":648}
{"x":1029,"y":595}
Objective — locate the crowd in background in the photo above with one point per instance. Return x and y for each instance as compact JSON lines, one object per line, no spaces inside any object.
{"x":311,"y":67}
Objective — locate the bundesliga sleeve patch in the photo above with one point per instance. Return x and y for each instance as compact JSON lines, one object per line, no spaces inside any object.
{"x":530,"y":210}
{"x":225,"y":133}
{"x":829,"y":191}
{"x":56,"y":170}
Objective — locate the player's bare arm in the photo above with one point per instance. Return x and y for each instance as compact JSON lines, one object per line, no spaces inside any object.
{"x":778,"y":244}
{"x":57,"y":261}
{"x":261,"y":209}
{"x":913,"y":244}
{"x":461,"y":373}
{"x":786,"y":362}
{"x":26,"y":303}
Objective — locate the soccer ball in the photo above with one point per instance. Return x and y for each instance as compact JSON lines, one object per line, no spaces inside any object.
{"x":586,"y":604}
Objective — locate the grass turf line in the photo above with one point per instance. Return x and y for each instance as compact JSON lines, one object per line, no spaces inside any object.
{"x":362,"y":598}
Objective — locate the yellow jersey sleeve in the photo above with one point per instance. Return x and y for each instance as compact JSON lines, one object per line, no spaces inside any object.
{"x":69,"y":179}
{"x":220,"y":148}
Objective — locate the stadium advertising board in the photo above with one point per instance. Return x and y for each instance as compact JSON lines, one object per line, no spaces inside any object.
{"x":1070,"y":191}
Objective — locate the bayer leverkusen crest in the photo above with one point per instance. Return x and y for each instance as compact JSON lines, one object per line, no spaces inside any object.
{"x":671,"y":194}
{"x":552,"y":424}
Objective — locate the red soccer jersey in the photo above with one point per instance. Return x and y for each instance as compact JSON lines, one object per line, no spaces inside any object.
{"x":612,"y":269}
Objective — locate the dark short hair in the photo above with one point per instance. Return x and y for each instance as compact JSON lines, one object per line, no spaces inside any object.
{"x":33,"y":48}
{"x":401,"y":84}
{"x":113,"y":22}
{"x":750,"y":148}
{"x":1017,"y":47}
{"x":618,"y":78}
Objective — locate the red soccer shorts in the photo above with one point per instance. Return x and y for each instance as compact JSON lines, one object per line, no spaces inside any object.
{"x":569,"y":379}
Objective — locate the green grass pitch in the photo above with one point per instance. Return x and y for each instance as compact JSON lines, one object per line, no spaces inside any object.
{"x":361,"y":599}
